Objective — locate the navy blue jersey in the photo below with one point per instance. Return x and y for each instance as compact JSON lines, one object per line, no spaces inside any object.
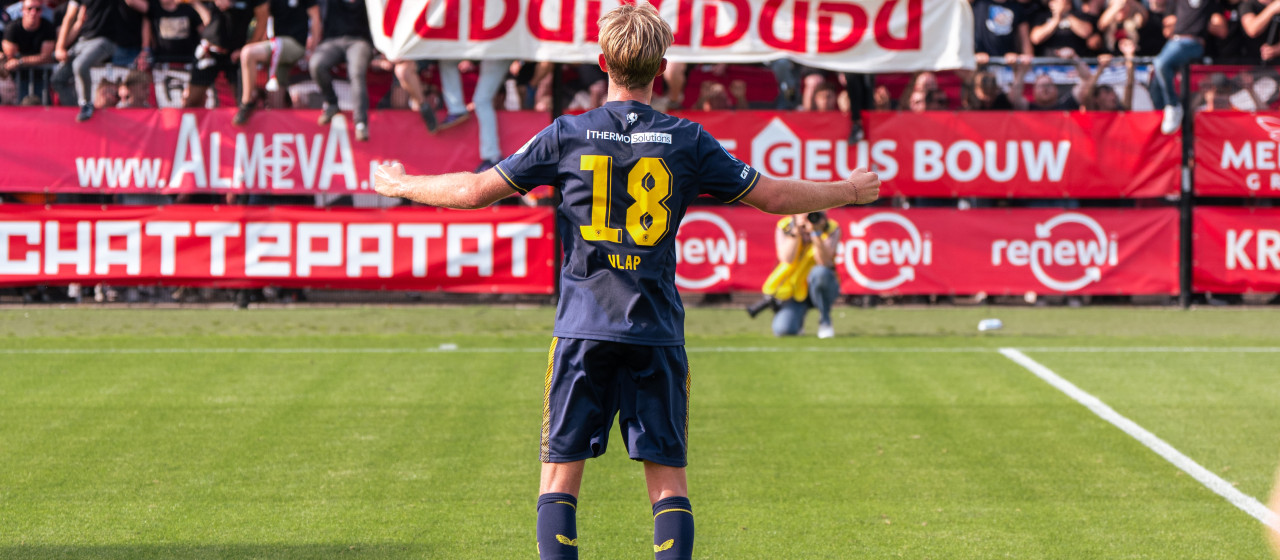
{"x":626,"y":174}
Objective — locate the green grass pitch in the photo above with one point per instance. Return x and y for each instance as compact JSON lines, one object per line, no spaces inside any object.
{"x":413,"y":433}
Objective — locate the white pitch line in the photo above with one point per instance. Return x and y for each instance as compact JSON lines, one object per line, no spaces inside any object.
{"x":1202,"y":475}
{"x":1159,"y":349}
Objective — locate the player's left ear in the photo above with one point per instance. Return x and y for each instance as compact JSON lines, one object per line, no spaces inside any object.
{"x":603,"y":65}
{"x":662,"y":66}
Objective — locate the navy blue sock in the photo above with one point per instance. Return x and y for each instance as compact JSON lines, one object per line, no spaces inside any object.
{"x":673,"y":529}
{"x":557,"y":526}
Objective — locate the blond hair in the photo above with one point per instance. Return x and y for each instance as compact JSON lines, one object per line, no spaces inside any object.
{"x":634,"y":40}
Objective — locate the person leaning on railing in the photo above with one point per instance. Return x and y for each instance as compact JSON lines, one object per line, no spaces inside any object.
{"x":982,"y":92}
{"x":28,"y":44}
{"x":1101,"y":97}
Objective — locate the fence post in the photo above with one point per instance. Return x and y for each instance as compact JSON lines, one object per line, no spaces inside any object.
{"x":1186,"y":202}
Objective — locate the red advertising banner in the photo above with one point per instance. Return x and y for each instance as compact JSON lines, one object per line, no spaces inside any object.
{"x":277,"y":152}
{"x":946,"y":251}
{"x":928,"y":251}
{"x":1021,"y":154}
{"x":862,"y":36}
{"x":1237,"y":154}
{"x":1237,"y":250}
{"x":504,"y":249}
{"x":948,"y":154}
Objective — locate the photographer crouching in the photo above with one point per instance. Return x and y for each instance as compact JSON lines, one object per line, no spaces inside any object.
{"x":805,"y":276}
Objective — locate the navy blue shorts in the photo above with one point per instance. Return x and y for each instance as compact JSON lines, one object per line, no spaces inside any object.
{"x":590,"y":381}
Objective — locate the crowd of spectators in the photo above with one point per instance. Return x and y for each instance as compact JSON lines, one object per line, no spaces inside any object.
{"x":261,"y":47}
{"x":308,"y":40}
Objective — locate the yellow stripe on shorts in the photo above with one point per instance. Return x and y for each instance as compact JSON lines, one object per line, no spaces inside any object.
{"x":688,"y":390}
{"x":545,"y":450}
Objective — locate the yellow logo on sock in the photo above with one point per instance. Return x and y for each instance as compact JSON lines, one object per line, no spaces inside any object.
{"x":566,"y":540}
{"x":664,"y":546}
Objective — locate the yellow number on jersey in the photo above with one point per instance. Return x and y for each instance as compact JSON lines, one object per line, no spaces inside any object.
{"x":648,"y":183}
{"x":599,"y":230}
{"x":650,"y":200}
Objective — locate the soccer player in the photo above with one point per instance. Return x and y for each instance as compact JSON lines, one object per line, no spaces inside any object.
{"x":626,"y":175}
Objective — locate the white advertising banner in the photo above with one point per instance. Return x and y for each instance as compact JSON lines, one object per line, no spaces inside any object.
{"x":865,"y":36}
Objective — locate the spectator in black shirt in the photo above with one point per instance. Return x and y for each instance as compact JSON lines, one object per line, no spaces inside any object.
{"x":1261,"y":22}
{"x":1000,"y":29}
{"x":27,"y":44}
{"x":1184,"y":46}
{"x":224,"y":34}
{"x":297,"y":30}
{"x":1136,"y":22}
{"x":128,"y":38}
{"x":1228,"y":42}
{"x":13,"y":12}
{"x":1060,"y":29}
{"x":171,"y":30}
{"x":346,"y":37}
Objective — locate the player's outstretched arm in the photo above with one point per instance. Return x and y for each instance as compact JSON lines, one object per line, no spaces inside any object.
{"x":466,"y":191}
{"x":794,"y":196}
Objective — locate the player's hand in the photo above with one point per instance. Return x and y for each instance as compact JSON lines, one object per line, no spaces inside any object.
{"x":388,"y":180}
{"x":866,"y":186}
{"x":60,"y":54}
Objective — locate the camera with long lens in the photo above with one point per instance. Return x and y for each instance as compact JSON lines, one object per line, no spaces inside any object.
{"x":767,"y":302}
{"x":816,"y":219}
